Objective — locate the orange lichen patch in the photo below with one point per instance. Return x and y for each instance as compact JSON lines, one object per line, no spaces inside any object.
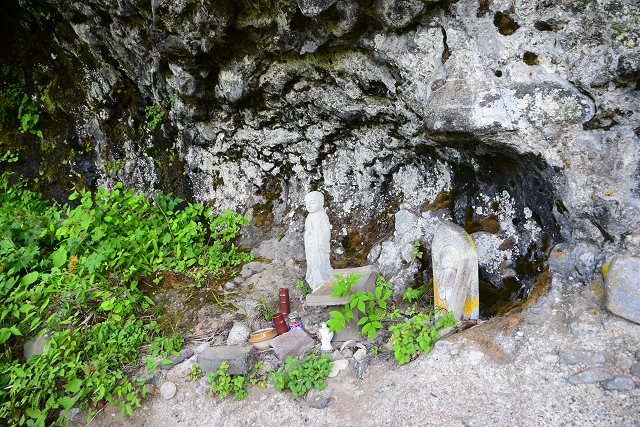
{"x":559,"y":254}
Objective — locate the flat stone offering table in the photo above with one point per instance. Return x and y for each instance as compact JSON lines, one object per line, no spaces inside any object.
{"x":322,"y":297}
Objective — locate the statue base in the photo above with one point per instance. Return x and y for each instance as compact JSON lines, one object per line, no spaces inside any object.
{"x":322,"y":297}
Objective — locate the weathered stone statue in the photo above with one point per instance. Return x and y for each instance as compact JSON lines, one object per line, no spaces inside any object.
{"x":455,"y":271}
{"x":317,"y":234}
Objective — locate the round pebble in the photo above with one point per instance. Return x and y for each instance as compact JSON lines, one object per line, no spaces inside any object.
{"x":168,"y":390}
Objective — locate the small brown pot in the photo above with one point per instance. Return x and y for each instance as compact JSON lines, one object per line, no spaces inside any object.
{"x":280,"y":323}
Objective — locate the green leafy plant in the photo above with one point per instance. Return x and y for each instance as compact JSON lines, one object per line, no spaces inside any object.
{"x":304,"y":287}
{"x":196,"y":372}
{"x":154,"y":115}
{"x":415,"y":250}
{"x":413,"y":294}
{"x":224,"y":384}
{"x":73,"y":273}
{"x":8,"y":156}
{"x":372,"y":305}
{"x":265,"y":307}
{"x":417,"y":334}
{"x":29,"y":114}
{"x":299,"y":376}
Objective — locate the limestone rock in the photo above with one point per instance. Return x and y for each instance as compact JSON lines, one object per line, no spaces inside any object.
{"x":621,"y":286}
{"x":168,"y":390}
{"x":239,"y":334}
{"x":619,"y":383}
{"x":398,"y":13}
{"x":314,"y":7}
{"x":338,"y":366}
{"x":590,"y":376}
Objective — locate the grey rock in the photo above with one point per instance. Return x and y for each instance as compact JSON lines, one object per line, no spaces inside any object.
{"x":635,"y":369}
{"x":168,"y":390}
{"x":362,"y":366}
{"x":398,"y":13}
{"x":294,"y":343}
{"x":619,"y":383}
{"x":239,"y":334}
{"x":590,"y":376}
{"x":637,"y":354}
{"x":185,"y":353}
{"x":318,"y":400}
{"x":360,"y":354}
{"x":155,"y":379}
{"x":572,"y":357}
{"x":313,"y":8}
{"x":338,"y":366}
{"x":35,"y":346}
{"x":239,"y":358}
{"x":628,"y":67}
{"x":622,"y":292}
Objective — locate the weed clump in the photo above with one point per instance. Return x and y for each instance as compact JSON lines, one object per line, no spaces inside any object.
{"x":72,"y":273}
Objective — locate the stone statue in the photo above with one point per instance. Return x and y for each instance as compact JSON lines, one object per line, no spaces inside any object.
{"x":317,"y":233}
{"x":455,"y":271}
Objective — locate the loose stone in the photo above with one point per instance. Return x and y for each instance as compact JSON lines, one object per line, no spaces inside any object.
{"x":185,"y":353}
{"x":573,"y":357}
{"x":619,"y":383}
{"x":338,"y":365}
{"x":590,"y":376}
{"x":168,"y":390}
{"x":362,"y":367}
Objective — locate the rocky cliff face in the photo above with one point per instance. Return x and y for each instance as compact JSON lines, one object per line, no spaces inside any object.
{"x":518,"y":120}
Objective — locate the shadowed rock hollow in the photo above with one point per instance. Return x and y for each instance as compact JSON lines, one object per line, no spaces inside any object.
{"x":519,"y":121}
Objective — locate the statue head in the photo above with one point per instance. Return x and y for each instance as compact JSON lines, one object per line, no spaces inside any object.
{"x":314,"y":201}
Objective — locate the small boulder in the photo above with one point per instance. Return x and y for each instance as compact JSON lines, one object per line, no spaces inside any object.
{"x":168,"y":390}
{"x":338,"y":366}
{"x":619,"y":383}
{"x":239,"y":358}
{"x":239,"y":334}
{"x":621,"y":286}
{"x":362,"y":366}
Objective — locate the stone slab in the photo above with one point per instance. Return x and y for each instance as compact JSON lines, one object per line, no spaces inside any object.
{"x":621,"y":286}
{"x":294,"y":343}
{"x":322,"y":296}
{"x":239,"y":358}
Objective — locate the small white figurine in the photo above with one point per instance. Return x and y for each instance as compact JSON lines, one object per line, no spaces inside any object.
{"x":317,"y":234}
{"x":325,"y":337}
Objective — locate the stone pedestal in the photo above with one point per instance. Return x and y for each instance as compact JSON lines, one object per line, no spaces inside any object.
{"x":322,"y":297}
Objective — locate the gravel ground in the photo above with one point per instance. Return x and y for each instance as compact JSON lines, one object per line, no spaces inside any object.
{"x":556,"y":363}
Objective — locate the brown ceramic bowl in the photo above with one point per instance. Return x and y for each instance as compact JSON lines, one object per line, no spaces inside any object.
{"x":262,"y":335}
